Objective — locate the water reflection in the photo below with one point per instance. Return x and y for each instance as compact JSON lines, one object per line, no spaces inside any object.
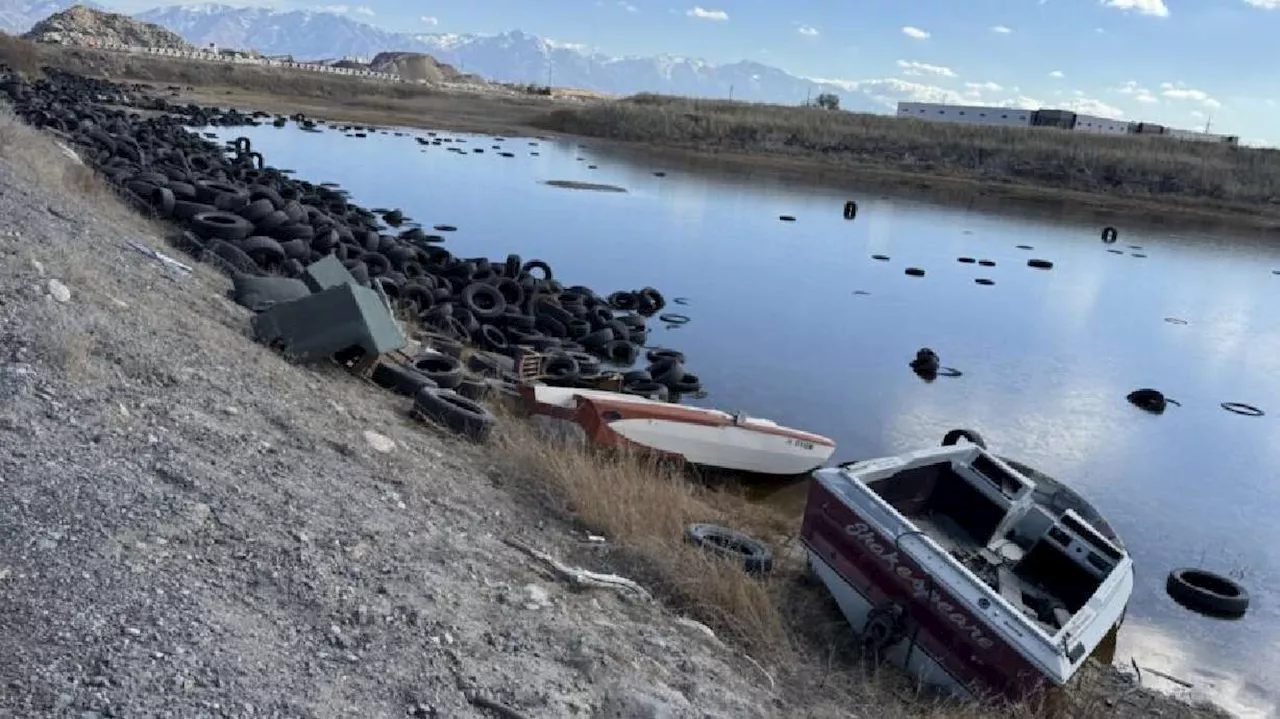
{"x":1048,"y":356}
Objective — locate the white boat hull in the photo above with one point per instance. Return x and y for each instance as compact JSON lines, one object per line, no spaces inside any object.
{"x":732,"y":447}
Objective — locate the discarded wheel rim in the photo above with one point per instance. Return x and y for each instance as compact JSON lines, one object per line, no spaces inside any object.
{"x":1247,"y":410}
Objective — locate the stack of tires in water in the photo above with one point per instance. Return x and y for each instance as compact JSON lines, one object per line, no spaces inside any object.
{"x":238,"y":213}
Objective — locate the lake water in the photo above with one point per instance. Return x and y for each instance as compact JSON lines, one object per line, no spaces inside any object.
{"x":781,"y":328}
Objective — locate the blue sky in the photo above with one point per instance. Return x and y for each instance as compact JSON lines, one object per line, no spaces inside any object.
{"x":1179,"y":62}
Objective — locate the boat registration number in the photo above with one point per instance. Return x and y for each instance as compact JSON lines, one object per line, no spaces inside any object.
{"x":800,"y":443}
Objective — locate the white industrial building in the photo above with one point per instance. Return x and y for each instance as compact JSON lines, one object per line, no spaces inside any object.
{"x":966,"y":114}
{"x":1060,"y":119}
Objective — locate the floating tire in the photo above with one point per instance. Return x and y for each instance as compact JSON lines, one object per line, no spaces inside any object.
{"x":1110,"y":235}
{"x":1040,"y":264}
{"x":951,"y":438}
{"x":674,"y":318}
{"x":1148,"y":400}
{"x":966,"y":260}
{"x":914,"y":272}
{"x":984,"y":281}
{"x":987,"y":263}
{"x":787,"y":218}
{"x":463,"y":416}
{"x":882,"y":258}
{"x":1247,"y":410}
{"x":1207,"y":593}
{"x":850,"y":210}
{"x":755,"y":556}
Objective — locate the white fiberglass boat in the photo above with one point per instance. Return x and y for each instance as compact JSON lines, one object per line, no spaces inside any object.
{"x":705,"y":437}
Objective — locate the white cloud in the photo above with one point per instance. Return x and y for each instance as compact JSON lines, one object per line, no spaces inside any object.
{"x":1056,"y":73}
{"x":890,"y":91}
{"x":1091,"y":106}
{"x":1155,"y":8}
{"x":428,"y":20}
{"x":980,"y":87}
{"x":807,"y":31}
{"x":911,"y":67}
{"x":1137,"y":92}
{"x":1004,"y":30}
{"x":1179,"y":91}
{"x":915,"y":33}
{"x":346,"y":9}
{"x":1264,"y":4}
{"x":703,"y":14}
{"x":627,"y":6}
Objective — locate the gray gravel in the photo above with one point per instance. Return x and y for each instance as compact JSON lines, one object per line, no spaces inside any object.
{"x":190,"y":527}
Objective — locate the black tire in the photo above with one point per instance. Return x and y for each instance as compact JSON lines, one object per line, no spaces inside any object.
{"x":184,"y":210}
{"x":882,"y":258}
{"x":689,"y":383}
{"x":223,"y":225}
{"x":445,"y":370}
{"x":850,"y":210}
{"x":1109,"y":235}
{"x":1247,"y":410}
{"x":914,"y":271}
{"x":620,"y":352}
{"x":257,"y":210}
{"x":966,"y":260}
{"x":787,"y":218}
{"x":987,"y":263}
{"x":674,"y":318}
{"x":484,"y":300}
{"x":1207,"y":593}
{"x":476,"y":388}
{"x":264,"y":250}
{"x":1148,"y":400}
{"x":1040,"y":264}
{"x":464,"y":416}
{"x":984,"y":281}
{"x":562,"y":367}
{"x":951,"y":438}
{"x":661,"y":353}
{"x":647,"y":388}
{"x":540,"y":265}
{"x":400,"y":379}
{"x":755,"y":556}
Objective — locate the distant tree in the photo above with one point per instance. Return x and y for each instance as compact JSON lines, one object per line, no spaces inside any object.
{"x":828,"y":101}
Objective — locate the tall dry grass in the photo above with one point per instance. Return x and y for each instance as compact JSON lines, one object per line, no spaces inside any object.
{"x":1133,"y":166}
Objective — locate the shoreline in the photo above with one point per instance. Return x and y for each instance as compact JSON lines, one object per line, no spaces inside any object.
{"x":477,"y":113}
{"x":476,"y":462}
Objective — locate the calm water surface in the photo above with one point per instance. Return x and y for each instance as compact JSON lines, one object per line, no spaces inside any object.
{"x":778,"y":329}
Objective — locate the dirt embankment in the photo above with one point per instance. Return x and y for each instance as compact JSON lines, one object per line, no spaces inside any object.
{"x":189,"y":526}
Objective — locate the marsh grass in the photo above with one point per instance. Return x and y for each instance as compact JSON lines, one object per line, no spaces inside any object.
{"x":1133,"y":166}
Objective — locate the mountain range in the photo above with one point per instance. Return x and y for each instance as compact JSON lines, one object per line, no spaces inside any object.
{"x":512,"y":56}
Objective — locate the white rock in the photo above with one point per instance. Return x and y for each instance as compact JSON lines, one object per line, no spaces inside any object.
{"x":538,"y":597}
{"x":39,"y":267}
{"x":379,"y":442}
{"x":59,"y":291}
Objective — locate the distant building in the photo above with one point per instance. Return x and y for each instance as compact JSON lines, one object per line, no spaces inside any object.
{"x":1060,"y":119}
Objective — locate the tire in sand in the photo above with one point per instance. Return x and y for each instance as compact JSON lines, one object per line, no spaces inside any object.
{"x":755,"y":556}
{"x":463,"y":416}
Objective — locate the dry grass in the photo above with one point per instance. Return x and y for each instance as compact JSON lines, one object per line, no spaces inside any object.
{"x":1131,"y":166}
{"x":789,"y":630}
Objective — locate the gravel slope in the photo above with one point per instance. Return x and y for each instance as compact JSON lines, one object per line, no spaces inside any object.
{"x":191,"y":527}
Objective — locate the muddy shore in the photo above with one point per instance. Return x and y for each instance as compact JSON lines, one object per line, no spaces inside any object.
{"x":200,"y":528}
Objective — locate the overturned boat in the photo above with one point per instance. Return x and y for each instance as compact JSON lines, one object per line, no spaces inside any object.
{"x":975,"y":573}
{"x":703,"y":437}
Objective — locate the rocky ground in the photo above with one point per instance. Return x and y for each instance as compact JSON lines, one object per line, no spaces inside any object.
{"x":191,"y":527}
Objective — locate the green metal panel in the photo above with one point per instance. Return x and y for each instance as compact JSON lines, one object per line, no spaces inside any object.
{"x":322,"y":324}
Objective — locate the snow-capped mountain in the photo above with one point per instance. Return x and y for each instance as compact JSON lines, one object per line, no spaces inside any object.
{"x":507,"y":57}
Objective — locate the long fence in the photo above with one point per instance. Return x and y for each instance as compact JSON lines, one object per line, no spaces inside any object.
{"x":240,"y":59}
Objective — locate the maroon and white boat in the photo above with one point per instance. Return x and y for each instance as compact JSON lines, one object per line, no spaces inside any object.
{"x":700,"y":436}
{"x":975,"y":573}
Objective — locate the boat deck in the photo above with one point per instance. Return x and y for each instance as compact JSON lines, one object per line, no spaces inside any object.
{"x":996,"y":570}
